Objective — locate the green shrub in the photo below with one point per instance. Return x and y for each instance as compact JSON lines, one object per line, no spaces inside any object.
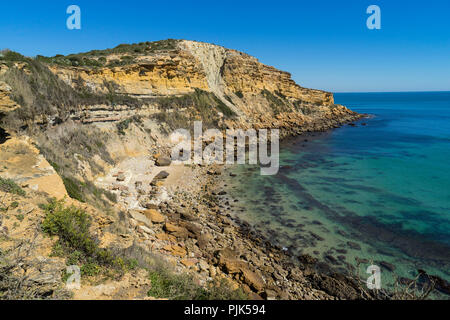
{"x":87,"y":192}
{"x":277,"y":103}
{"x":71,"y":226}
{"x":9,"y":186}
{"x":14,"y":205}
{"x":73,"y":188}
{"x":124,"y":125}
{"x":223,"y":108}
{"x":90,"y":269}
{"x":167,"y":285}
{"x":96,"y":58}
{"x":8,"y":55}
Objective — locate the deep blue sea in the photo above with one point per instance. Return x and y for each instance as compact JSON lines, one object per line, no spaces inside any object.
{"x":378,"y":191}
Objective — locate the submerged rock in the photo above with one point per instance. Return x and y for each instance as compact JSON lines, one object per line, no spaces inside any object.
{"x":388,"y":266}
{"x":353,"y":245}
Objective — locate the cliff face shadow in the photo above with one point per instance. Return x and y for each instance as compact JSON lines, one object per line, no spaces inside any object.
{"x":3,"y":136}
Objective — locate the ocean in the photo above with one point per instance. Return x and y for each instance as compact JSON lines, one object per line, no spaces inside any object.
{"x":377,"y":192}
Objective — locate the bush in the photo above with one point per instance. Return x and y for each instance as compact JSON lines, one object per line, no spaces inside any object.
{"x":73,"y":189}
{"x":76,"y":244}
{"x":8,"y":55}
{"x":165,"y":283}
{"x":9,"y":186}
{"x":96,"y":58}
{"x":14,"y":205}
{"x":277,"y":103}
{"x":71,"y":226}
{"x":87,"y":192}
{"x":124,"y":125}
{"x":181,"y":287}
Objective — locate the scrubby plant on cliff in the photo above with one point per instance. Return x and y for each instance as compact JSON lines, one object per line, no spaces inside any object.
{"x":16,"y":274}
{"x":96,"y":58}
{"x":11,"y":56}
{"x":87,"y":192}
{"x":9,"y":186}
{"x":277,"y":102}
{"x":166,"y":284}
{"x":64,"y":147}
{"x":239,"y":94}
{"x":179,"y":111}
{"x":71,"y":225}
{"x":44,"y":97}
{"x":305,"y":108}
{"x":124,"y":125}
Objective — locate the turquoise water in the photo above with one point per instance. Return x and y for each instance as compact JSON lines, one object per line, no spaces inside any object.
{"x":378,"y":191}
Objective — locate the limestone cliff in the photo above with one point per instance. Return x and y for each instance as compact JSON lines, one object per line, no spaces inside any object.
{"x":249,"y":88}
{"x":6,"y":103}
{"x":87,"y":111}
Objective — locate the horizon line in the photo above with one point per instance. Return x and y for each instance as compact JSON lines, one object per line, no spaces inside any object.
{"x":405,"y":91}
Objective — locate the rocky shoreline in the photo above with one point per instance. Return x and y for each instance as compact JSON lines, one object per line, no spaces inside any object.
{"x":204,"y":237}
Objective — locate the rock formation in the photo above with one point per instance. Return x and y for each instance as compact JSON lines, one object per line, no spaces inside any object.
{"x":94,"y":127}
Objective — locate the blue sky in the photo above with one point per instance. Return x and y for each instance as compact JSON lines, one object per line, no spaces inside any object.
{"x":325,"y":44}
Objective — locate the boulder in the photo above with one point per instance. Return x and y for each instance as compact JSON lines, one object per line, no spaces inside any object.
{"x":189,"y":262}
{"x":331,"y":259}
{"x":146,"y":230}
{"x":203,"y":265}
{"x":178,"y":232}
{"x":163,"y":162}
{"x":169,"y":227}
{"x":203,"y":240}
{"x":269,"y":294}
{"x":361,"y":260}
{"x":253,"y":280}
{"x":154,"y":216}
{"x":187,"y":216}
{"x":161,"y":176}
{"x":194,"y":228}
{"x":118,"y":187}
{"x":175,"y":250}
{"x":341,"y":288}
{"x":232,"y":266}
{"x":140,"y":217}
{"x":163,"y":236}
{"x":150,"y":206}
{"x":307,"y":259}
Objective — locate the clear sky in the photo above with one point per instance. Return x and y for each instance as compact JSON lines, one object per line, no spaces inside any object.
{"x":325,"y":44}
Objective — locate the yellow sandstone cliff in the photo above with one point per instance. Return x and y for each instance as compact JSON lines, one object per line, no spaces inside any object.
{"x":248,"y":87}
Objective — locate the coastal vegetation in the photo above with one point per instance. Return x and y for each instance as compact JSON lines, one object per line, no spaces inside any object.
{"x":71,"y":225}
{"x":276,"y":101}
{"x":197,"y":105}
{"x":8,"y":185}
{"x":172,"y":286}
{"x":127,"y":54}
